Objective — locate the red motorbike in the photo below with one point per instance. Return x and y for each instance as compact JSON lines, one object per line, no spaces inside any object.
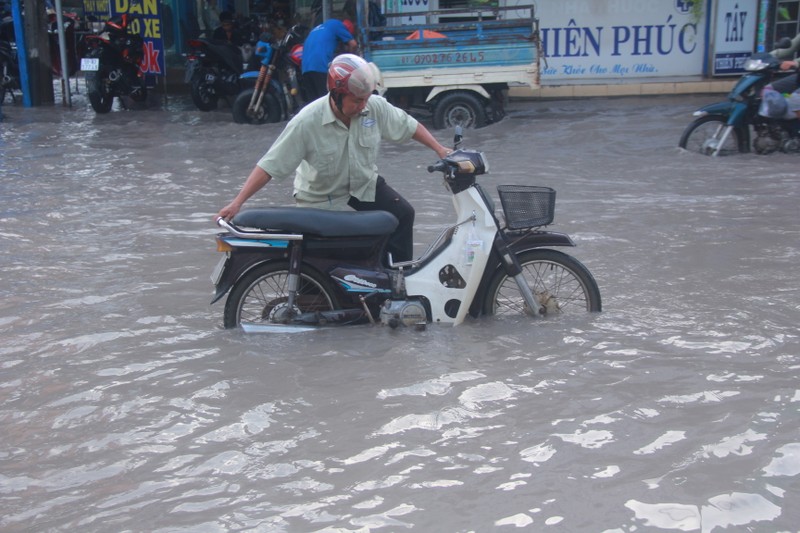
{"x":112,"y":65}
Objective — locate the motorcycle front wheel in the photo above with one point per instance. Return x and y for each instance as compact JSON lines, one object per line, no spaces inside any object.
{"x":203,"y":94}
{"x":560,"y":284}
{"x":98,"y":91}
{"x":269,"y":110}
{"x":262,"y":296}
{"x":704,"y":135}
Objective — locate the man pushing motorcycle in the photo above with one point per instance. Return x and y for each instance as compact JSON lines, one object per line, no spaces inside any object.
{"x":331,"y":147}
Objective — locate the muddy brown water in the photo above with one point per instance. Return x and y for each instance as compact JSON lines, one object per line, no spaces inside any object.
{"x":125,"y":407}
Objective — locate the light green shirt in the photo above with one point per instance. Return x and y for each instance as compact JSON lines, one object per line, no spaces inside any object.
{"x":330,"y":161}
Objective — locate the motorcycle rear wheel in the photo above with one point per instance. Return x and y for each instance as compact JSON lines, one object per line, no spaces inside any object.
{"x":701,"y":135}
{"x":203,"y":94}
{"x":261,"y":296}
{"x":269,"y":111}
{"x":99,"y":95}
{"x":560,"y":283}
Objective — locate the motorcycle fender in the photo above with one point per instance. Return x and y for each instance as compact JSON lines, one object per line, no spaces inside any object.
{"x":517,"y":244}
{"x":193,"y":69}
{"x":237,"y":265}
{"x":540,"y":239}
{"x":529,"y":241}
{"x":718,"y":108}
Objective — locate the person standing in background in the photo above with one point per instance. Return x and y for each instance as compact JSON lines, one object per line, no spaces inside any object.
{"x":210,"y":15}
{"x":227,"y":31}
{"x":319,"y":49}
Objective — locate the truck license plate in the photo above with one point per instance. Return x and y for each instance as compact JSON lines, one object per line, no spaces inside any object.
{"x":91,"y":64}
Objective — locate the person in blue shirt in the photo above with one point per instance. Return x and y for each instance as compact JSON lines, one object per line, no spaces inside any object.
{"x":319,"y":49}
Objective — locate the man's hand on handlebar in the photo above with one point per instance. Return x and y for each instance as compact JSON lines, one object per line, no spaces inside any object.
{"x":227,"y":212}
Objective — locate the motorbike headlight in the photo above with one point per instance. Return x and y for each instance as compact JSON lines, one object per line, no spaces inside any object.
{"x":753,"y":65}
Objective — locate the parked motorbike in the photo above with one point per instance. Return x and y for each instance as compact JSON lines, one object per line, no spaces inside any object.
{"x":276,"y":93}
{"x":9,"y":62}
{"x":213,"y":69}
{"x":723,"y":128}
{"x":295,"y":268}
{"x":112,"y":65}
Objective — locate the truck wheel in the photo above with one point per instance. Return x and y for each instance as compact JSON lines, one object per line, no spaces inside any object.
{"x":459,"y":108}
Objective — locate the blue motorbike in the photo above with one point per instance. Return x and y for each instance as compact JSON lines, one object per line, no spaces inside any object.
{"x":724,"y":128}
{"x":275,"y":93}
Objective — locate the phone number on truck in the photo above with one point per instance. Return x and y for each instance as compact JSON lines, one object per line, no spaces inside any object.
{"x":443,"y":58}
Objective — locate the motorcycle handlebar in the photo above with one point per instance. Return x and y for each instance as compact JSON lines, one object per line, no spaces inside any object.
{"x":439,"y":166}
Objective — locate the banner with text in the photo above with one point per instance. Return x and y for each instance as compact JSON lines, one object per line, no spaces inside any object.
{"x":96,"y":8}
{"x":619,"y":39}
{"x":734,"y":35}
{"x":145,"y":21}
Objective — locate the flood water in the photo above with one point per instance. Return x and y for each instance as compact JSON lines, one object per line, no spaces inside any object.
{"x":124,"y":406}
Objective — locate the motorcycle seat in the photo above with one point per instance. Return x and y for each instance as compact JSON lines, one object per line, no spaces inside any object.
{"x":320,"y":222}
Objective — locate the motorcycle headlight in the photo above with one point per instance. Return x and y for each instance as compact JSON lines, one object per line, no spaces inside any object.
{"x":753,"y":65}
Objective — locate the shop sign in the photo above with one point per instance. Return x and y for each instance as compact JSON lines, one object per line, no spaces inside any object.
{"x":145,"y":21}
{"x":734,"y":35}
{"x":619,"y":39}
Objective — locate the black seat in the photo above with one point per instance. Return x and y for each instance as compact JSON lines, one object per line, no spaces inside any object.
{"x":320,"y":222}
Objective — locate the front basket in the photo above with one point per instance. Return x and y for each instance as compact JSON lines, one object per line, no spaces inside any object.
{"x":527,"y":206}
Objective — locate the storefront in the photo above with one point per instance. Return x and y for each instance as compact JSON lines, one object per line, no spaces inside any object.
{"x":585,"y":40}
{"x":786,"y":15}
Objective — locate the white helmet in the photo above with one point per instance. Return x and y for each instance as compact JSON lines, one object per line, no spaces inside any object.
{"x":351,"y":74}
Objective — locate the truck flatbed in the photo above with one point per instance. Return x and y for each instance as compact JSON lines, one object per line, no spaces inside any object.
{"x":465,"y":58}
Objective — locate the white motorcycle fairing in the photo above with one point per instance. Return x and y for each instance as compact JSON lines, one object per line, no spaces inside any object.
{"x":465,"y":257}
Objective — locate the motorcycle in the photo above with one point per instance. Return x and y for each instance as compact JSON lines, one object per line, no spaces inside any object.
{"x":213,"y":70}
{"x":724,"y":128}
{"x":293,"y":268}
{"x":112,"y":65}
{"x":9,"y":62}
{"x":273,"y":97}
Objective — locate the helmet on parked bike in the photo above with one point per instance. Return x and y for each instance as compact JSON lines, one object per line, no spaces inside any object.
{"x":351,"y":74}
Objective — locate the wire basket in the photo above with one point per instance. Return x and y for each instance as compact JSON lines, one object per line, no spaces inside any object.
{"x":527,"y":206}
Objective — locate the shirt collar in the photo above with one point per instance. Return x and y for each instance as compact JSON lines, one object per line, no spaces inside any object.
{"x":327,"y":113}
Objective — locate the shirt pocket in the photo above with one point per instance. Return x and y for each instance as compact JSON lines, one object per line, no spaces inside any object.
{"x":369,"y":140}
{"x":325,"y":159}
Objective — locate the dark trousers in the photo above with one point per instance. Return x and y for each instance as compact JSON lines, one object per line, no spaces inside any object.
{"x":315,"y":84}
{"x":401,"y":243}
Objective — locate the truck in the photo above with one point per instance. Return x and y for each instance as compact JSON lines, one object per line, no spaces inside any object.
{"x":455,"y":64}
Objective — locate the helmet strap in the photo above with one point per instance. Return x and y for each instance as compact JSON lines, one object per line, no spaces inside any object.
{"x":337,"y":98}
